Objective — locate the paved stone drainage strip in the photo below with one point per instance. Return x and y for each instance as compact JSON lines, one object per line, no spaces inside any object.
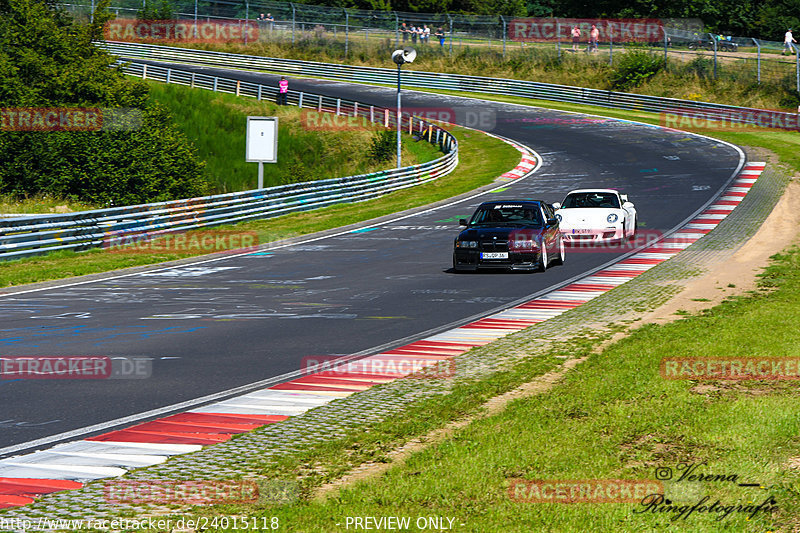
{"x":69,"y":466}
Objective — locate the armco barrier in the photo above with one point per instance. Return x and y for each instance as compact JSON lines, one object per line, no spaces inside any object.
{"x":437,"y":80}
{"x":32,"y":235}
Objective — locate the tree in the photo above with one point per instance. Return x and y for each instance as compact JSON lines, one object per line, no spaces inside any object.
{"x":156,"y":10}
{"x":48,"y":60}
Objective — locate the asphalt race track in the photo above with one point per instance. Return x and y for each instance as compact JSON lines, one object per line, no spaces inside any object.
{"x":216,"y":325}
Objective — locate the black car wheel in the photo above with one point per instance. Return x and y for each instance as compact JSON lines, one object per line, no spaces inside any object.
{"x":455,"y":268}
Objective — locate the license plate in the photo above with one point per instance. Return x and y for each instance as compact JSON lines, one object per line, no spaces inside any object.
{"x":494,"y":255}
{"x":582,"y":231}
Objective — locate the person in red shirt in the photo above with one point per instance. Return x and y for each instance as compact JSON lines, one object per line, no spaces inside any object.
{"x":283,"y":90}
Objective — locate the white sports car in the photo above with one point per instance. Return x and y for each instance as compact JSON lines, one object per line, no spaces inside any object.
{"x":596,"y":216}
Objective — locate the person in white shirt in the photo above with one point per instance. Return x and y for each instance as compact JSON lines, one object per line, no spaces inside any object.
{"x":426,"y":34}
{"x":788,"y":39}
{"x":576,"y":38}
{"x":594,"y":37}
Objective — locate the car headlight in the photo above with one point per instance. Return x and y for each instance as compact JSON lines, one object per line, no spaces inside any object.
{"x":524,"y":244}
{"x":558,"y":217}
{"x":466,"y":244}
{"x":612,"y":218}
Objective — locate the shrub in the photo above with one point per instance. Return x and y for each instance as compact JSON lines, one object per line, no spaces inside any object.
{"x":702,"y":67}
{"x":154,"y":10}
{"x":634,"y":68}
{"x":151,"y":164}
{"x":383,"y":147}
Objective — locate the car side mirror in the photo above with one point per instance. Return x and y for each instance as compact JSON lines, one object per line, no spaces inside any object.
{"x":627,"y":205}
{"x":557,"y":205}
{"x":462,"y":222}
{"x":551,"y":222}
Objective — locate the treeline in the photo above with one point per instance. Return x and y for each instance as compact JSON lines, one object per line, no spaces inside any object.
{"x":765,"y":19}
{"x":73,"y":126}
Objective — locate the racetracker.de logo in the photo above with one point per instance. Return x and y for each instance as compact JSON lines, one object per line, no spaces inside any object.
{"x":384,"y":367}
{"x":180,"y":31}
{"x":616,"y":30}
{"x":71,"y":119}
{"x":206,"y":492}
{"x":730,"y":368}
{"x":205,"y":242}
{"x":710,"y":120}
{"x":583,"y":490}
{"x":583,"y":241}
{"x":322,"y":120}
{"x":75,"y":367}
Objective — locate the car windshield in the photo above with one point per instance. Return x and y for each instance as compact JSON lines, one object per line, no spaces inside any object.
{"x":507,"y":214}
{"x":591,"y":199}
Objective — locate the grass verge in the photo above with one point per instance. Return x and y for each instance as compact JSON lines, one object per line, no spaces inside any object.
{"x":482,"y":159}
{"x":10,"y":206}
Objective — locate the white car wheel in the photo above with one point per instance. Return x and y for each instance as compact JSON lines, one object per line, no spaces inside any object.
{"x":543,"y":259}
{"x":562,"y":253}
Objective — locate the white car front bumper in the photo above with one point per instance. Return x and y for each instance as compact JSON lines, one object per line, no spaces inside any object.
{"x":593,"y":235}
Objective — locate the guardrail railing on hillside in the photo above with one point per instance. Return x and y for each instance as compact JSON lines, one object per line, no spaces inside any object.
{"x":453,"y":82}
{"x":33,"y":235}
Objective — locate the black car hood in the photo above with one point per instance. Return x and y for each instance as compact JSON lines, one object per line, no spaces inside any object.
{"x":501,"y":232}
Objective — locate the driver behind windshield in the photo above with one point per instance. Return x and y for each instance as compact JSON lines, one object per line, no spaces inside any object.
{"x":517,"y":215}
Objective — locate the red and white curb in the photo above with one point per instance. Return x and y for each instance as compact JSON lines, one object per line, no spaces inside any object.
{"x":68,"y":466}
{"x":526,"y":164}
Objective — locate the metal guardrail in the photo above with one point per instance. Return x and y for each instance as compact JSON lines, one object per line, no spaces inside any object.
{"x":453,"y":82}
{"x":33,"y":235}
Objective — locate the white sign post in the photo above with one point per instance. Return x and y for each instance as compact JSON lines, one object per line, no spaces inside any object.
{"x":262,"y":143}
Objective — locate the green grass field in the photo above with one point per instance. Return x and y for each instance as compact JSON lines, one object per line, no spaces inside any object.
{"x":615,"y":417}
{"x":215,"y":123}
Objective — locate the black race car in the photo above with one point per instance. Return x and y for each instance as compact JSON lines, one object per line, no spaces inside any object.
{"x":509,"y":234}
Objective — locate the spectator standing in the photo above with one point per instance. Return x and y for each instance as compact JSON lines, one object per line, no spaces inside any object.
{"x":404,"y":31}
{"x":576,"y":38}
{"x":594,"y":37}
{"x":788,"y":39}
{"x":440,"y":35}
{"x":426,"y":34}
{"x":283,"y":90}
{"x":261,"y":18}
{"x":414,"y":33}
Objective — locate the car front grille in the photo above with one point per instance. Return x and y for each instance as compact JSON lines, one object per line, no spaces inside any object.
{"x":494,"y":246}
